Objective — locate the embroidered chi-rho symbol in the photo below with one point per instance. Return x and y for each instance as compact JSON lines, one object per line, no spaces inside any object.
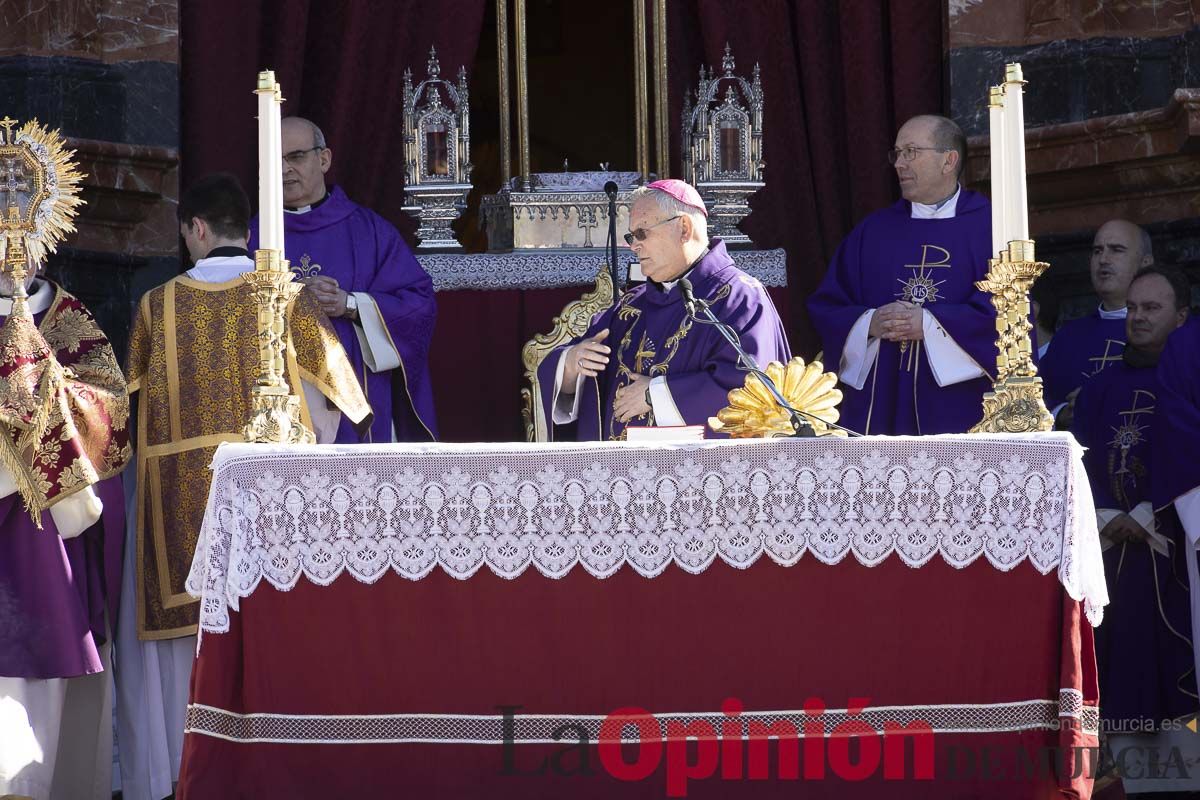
{"x":921,"y":288}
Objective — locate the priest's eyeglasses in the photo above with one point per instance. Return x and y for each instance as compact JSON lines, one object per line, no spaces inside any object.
{"x":297,"y":157}
{"x":641,"y":233}
{"x":908,"y":153}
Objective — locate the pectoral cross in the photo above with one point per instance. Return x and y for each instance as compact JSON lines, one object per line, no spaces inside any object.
{"x":14,"y":181}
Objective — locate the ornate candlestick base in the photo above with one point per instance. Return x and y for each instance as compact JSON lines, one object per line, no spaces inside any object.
{"x":1015,"y":403}
{"x":275,"y":411}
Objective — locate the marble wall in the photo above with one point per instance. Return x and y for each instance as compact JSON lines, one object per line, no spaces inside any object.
{"x":105,"y":72}
{"x":1112,"y":109}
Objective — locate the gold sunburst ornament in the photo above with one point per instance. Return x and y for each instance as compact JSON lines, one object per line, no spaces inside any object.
{"x":39,"y":183}
{"x":753,"y":412}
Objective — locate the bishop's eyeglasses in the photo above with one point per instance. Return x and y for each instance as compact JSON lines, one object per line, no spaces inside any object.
{"x":641,"y":233}
{"x":297,"y":157}
{"x":908,"y":153}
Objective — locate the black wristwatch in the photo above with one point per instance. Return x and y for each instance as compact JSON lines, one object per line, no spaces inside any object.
{"x":649,"y":402}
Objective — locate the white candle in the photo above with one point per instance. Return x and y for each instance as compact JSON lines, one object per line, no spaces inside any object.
{"x":270,"y":168}
{"x":996,"y":152}
{"x":277,"y":167}
{"x":1014,"y":144}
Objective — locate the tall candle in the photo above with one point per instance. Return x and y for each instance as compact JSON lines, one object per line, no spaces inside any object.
{"x":267,"y":154}
{"x":270,"y":164}
{"x":1014,"y":145}
{"x":277,"y":167}
{"x":996,"y":152}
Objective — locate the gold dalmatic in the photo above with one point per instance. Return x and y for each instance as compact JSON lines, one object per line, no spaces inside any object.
{"x":193,"y":358}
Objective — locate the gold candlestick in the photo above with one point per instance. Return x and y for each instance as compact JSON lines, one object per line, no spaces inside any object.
{"x":275,"y":416}
{"x":1015,"y":404}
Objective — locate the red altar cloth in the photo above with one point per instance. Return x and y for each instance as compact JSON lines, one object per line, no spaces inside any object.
{"x":770,"y":636}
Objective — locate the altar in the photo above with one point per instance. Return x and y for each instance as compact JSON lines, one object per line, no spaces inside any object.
{"x":909,"y":616}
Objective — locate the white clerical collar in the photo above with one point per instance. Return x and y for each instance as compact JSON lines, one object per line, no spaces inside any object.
{"x":307,"y":208}
{"x":1120,"y":313}
{"x":220,"y":269}
{"x":943,"y":210}
{"x":39,"y":301}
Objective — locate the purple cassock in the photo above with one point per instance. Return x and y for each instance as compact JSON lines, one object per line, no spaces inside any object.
{"x":933,"y":263}
{"x":1177,"y":421}
{"x":1080,"y":349}
{"x":1145,"y":663}
{"x":55,"y":593}
{"x":651,"y":334}
{"x":363,"y":252}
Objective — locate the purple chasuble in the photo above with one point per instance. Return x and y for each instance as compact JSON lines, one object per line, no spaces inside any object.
{"x":1145,"y":665}
{"x":651,"y":334}
{"x":1176,"y":435}
{"x":933,"y":263}
{"x":55,"y":593}
{"x":363,"y":252}
{"x":1080,"y":349}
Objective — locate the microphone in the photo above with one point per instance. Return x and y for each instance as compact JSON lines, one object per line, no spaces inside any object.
{"x":692,"y":304}
{"x":610,"y":189}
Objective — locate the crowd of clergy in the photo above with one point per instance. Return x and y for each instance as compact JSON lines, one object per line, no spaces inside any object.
{"x":95,"y":624}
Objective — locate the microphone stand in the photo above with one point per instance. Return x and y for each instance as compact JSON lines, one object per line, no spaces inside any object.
{"x":801,"y":427}
{"x":610,"y":188}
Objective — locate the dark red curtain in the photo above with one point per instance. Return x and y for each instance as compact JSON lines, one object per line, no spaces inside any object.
{"x":838,"y":78}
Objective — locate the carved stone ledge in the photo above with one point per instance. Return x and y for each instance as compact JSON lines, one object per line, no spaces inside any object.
{"x":1143,"y":166}
{"x":131,"y":193}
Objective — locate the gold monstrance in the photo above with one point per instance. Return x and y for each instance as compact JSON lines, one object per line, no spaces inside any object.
{"x":1015,"y":404}
{"x":40,"y":184}
{"x":275,"y":415}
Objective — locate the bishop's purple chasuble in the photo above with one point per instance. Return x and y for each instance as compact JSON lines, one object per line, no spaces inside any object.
{"x":651,"y":334}
{"x":364,"y":253}
{"x":932,"y":263}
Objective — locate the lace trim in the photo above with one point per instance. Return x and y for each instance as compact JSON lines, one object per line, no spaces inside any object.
{"x":551,"y":270}
{"x":539,"y":728}
{"x":280,"y":513}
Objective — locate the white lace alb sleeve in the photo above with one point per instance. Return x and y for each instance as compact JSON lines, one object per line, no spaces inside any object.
{"x":859,"y":353}
{"x":949,"y":363}
{"x":379,"y":351}
{"x":565,"y":407}
{"x":665,"y":410}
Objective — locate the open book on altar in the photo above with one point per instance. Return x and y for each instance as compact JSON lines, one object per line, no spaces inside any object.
{"x":664,"y":433}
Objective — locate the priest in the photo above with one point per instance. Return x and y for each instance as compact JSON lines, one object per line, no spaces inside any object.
{"x":64,"y":439}
{"x":193,"y":360}
{"x":1176,"y":441}
{"x":900,"y":319}
{"x":1143,"y":650}
{"x":1085,"y":346}
{"x":645,"y":361}
{"x":369,"y":284}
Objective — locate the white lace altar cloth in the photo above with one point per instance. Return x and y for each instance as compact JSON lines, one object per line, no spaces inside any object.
{"x":281,"y":512}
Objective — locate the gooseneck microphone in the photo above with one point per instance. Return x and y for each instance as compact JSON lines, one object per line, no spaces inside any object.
{"x":695,"y":307}
{"x":610,"y":189}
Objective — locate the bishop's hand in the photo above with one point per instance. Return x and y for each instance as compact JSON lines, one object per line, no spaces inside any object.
{"x":630,"y":401}
{"x":1124,"y":528}
{"x":898,"y":322}
{"x":329,"y":295}
{"x":588,"y":358}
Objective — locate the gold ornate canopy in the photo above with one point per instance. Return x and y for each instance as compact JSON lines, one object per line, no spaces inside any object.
{"x":40,"y":185}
